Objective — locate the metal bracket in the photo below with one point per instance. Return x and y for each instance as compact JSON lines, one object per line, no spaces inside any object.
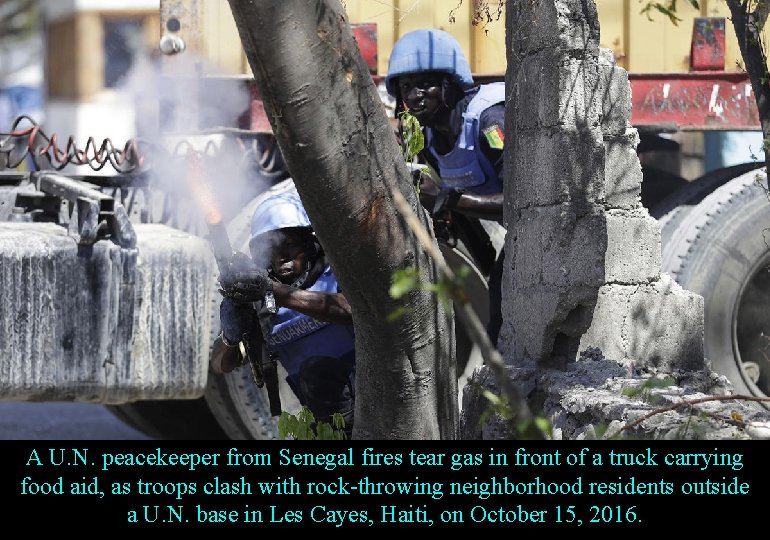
{"x":95,"y":215}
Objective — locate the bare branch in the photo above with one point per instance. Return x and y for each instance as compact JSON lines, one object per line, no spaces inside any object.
{"x":691,"y":403}
{"x":761,"y":12}
{"x":17,"y":18}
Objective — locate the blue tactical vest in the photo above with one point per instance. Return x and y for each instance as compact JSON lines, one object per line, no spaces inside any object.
{"x":297,"y":337}
{"x":465,"y":166}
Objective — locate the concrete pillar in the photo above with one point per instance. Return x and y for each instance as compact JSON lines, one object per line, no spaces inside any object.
{"x":582,"y":254}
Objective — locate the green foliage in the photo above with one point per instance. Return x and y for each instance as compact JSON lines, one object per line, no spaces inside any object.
{"x":600,"y":429}
{"x":403,"y":282}
{"x":18,"y":19}
{"x":668,"y":9}
{"x":643,"y":390}
{"x":697,"y":428}
{"x":303,"y":426}
{"x":412,"y":137}
{"x":497,"y":405}
{"x":412,"y":140}
{"x":448,"y":290}
{"x":525,"y":429}
{"x":452,"y":290}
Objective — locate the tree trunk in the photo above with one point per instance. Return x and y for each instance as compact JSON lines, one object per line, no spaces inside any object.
{"x":747,"y":26}
{"x":341,"y":151}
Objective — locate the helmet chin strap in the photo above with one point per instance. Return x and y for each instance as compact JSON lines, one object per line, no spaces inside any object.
{"x":445,"y":84}
{"x":313,"y":268}
{"x":297,"y":283}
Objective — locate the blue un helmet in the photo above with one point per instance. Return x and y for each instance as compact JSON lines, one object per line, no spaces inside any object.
{"x":279,"y":208}
{"x":428,"y":50}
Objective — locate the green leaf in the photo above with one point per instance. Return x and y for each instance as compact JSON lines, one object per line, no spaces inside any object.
{"x":398,"y":313}
{"x":324,"y":432}
{"x":306,"y":416}
{"x":411,"y":135}
{"x":303,"y":426}
{"x":338,"y":421}
{"x":484,"y":417}
{"x":543,"y":424}
{"x":403,"y":282}
{"x":600,"y":429}
{"x":631,"y":391}
{"x":494,"y":399}
{"x":667,"y":10}
{"x":282,"y":427}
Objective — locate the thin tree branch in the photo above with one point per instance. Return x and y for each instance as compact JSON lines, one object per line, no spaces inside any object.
{"x":689,"y":403}
{"x":472,"y":323}
{"x":761,"y":12}
{"x":755,"y":61}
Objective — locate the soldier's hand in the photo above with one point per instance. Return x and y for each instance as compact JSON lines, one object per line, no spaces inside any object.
{"x":240,"y":263}
{"x":248,"y":286}
{"x":235,"y":319}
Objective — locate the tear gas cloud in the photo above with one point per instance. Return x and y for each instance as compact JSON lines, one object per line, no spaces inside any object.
{"x":176,"y":111}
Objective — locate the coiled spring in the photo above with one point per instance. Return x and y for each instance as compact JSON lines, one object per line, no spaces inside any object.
{"x":33,"y":143}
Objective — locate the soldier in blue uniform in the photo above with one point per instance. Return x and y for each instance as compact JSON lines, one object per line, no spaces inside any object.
{"x":464,"y":127}
{"x":311,"y":332}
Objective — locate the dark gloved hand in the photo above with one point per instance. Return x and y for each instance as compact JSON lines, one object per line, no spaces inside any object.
{"x":247,"y":287}
{"x":240,"y":263}
{"x":244,"y":282}
{"x":236,"y":319}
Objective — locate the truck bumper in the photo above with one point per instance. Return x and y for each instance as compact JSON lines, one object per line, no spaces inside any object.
{"x":104,"y":323}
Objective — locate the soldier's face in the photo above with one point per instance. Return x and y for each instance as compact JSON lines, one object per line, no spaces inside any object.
{"x":290,"y":254}
{"x":421,"y":95}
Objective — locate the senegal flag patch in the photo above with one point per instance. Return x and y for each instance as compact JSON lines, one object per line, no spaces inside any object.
{"x":495,"y":137}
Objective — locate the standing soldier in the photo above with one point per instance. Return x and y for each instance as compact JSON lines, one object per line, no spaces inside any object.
{"x":464,"y":127}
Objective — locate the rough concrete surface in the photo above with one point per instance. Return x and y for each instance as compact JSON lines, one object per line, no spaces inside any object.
{"x":596,"y":398}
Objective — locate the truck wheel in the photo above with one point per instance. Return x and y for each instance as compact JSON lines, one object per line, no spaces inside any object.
{"x":721,"y":250}
{"x":467,"y":354}
{"x":671,"y":210}
{"x":242,"y":409}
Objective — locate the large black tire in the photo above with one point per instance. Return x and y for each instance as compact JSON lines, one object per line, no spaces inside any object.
{"x":721,"y":250}
{"x":672,"y":209}
{"x":467,"y":354}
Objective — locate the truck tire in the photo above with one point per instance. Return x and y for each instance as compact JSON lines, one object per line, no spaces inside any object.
{"x":671,"y":210}
{"x":721,"y":250}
